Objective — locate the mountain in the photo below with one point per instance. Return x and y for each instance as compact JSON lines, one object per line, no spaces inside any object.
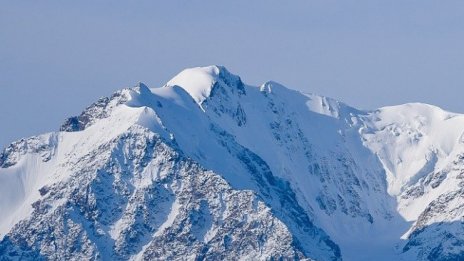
{"x":208,"y":167}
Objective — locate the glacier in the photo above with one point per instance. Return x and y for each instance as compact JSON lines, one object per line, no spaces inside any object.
{"x":207,"y":167}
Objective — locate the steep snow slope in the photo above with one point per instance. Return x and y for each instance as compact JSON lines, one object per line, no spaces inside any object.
{"x":118,"y":186}
{"x":307,"y":140}
{"x":209,"y":167}
{"x":421,"y":149}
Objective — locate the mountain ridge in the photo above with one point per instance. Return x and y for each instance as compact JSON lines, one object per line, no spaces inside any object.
{"x":327,"y":171}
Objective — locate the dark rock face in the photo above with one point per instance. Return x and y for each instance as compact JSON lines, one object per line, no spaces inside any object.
{"x":104,"y":212}
{"x":98,"y":110}
{"x":43,"y":145}
{"x":423,"y":242}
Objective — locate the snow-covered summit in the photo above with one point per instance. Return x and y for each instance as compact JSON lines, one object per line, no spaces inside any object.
{"x":208,"y":167}
{"x":200,"y":81}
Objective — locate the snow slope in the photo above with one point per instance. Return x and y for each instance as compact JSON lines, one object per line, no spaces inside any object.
{"x":208,"y":167}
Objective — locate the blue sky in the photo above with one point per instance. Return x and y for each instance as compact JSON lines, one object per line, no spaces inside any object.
{"x":57,"y":57}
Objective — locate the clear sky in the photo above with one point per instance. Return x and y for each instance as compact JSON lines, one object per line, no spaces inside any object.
{"x":57,"y":57}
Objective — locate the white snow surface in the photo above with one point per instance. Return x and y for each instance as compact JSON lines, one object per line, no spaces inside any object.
{"x":352,"y":171}
{"x":197,"y":81}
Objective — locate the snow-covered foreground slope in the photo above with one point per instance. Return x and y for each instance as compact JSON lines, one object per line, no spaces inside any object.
{"x":207,"y":167}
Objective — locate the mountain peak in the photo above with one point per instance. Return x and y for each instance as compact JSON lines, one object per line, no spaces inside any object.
{"x":208,"y":167}
{"x":200,"y":81}
{"x":141,"y":85}
{"x":142,"y":88}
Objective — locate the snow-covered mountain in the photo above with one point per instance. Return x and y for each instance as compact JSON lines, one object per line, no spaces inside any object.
{"x":207,"y":167}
